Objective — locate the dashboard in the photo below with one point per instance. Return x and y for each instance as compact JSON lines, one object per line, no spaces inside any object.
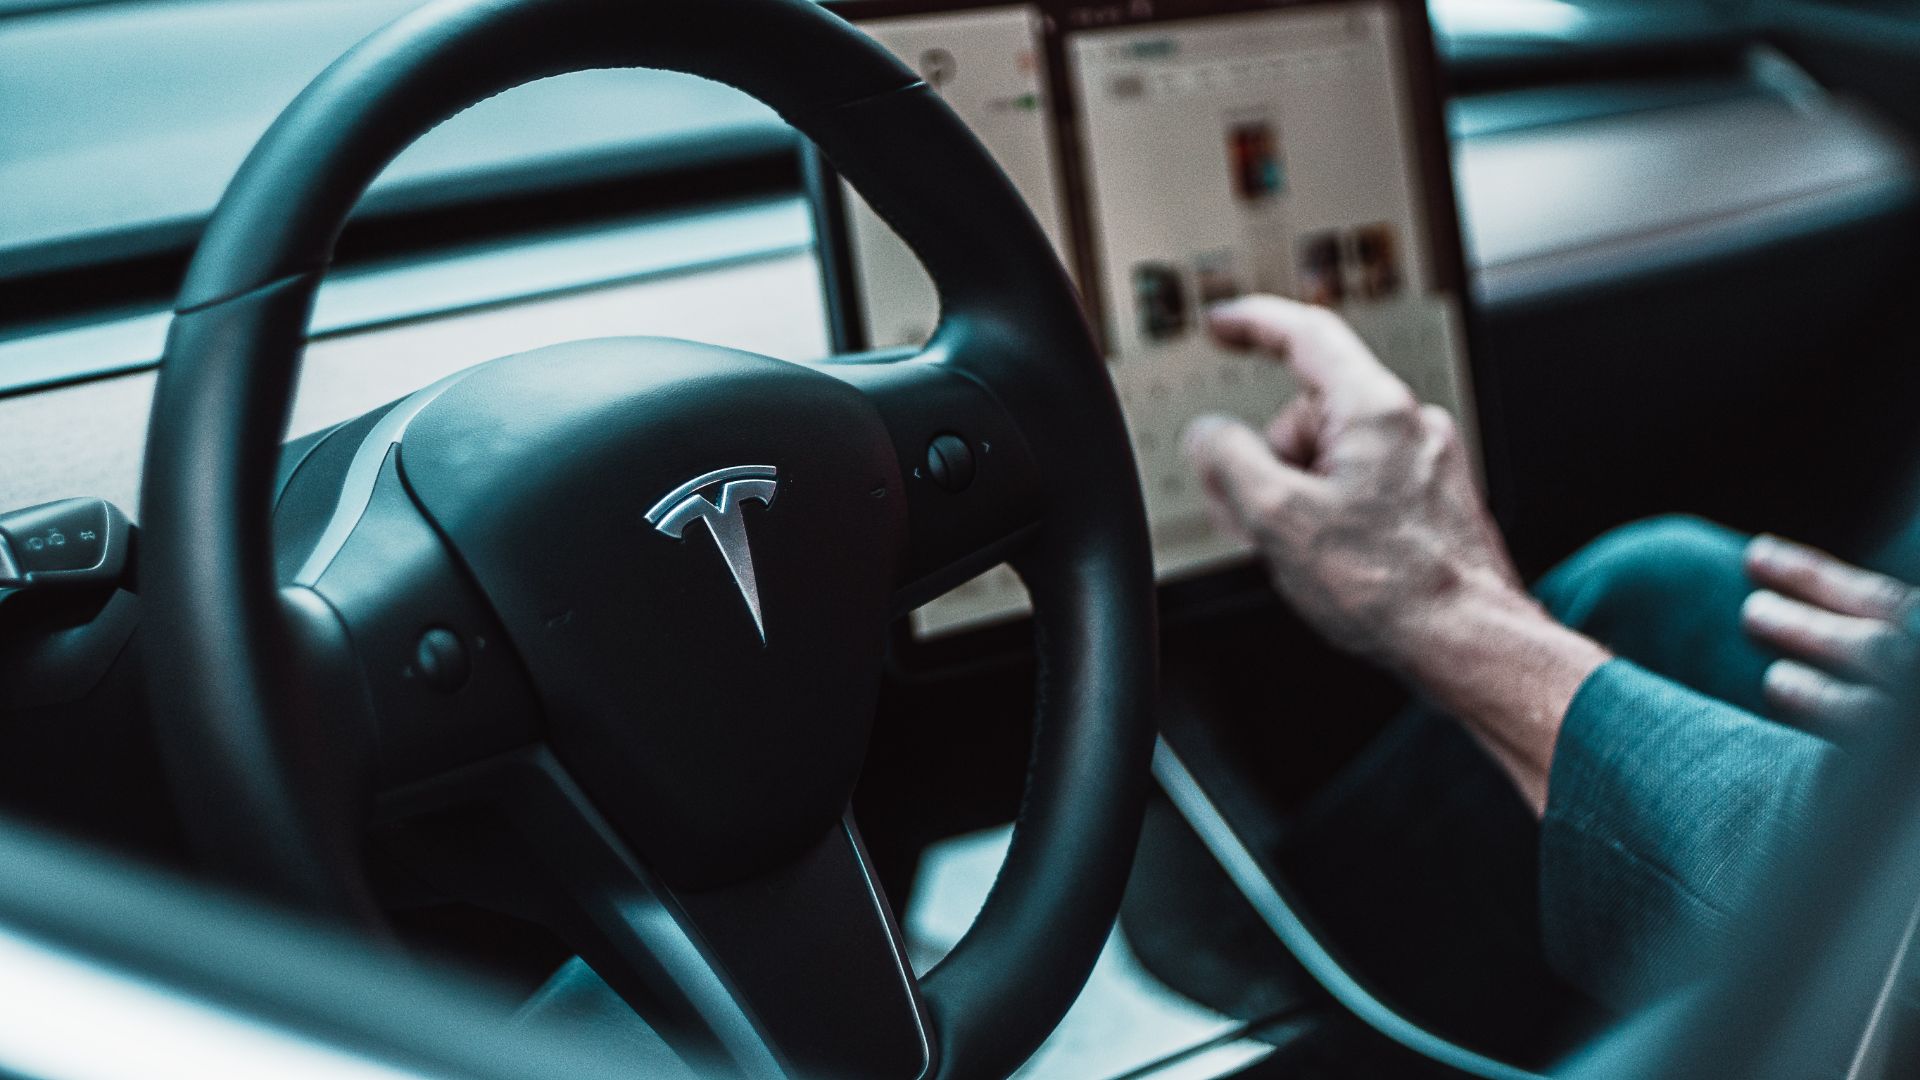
{"x":1563,"y":190}
{"x":384,"y":332}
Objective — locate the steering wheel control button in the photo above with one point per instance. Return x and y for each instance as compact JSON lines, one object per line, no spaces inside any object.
{"x":950,"y":462}
{"x":442,"y":661}
{"x":66,"y":543}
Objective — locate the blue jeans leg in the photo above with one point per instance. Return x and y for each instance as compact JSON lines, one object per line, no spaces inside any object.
{"x":1420,"y":862}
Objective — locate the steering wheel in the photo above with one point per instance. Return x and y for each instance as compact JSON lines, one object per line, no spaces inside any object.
{"x":596,"y":632}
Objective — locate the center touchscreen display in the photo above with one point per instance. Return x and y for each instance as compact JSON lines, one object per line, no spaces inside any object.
{"x":1180,"y":155}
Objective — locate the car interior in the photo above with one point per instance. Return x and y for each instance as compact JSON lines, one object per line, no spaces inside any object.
{"x":650,"y":537}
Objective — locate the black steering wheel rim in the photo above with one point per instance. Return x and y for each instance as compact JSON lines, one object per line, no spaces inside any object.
{"x":239,"y":728}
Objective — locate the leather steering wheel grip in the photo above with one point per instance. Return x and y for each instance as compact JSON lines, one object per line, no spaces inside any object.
{"x":239,"y":721}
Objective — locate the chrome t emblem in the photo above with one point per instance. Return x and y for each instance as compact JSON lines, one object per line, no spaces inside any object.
{"x":686,"y":504}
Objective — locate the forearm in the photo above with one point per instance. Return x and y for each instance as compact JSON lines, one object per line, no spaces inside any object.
{"x":1670,"y":811}
{"x":1494,"y":659}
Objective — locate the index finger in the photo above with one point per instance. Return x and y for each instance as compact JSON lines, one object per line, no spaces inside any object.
{"x":1318,"y":346}
{"x":1816,"y":577}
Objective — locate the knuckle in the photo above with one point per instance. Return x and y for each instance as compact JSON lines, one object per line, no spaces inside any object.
{"x":1802,"y":579}
{"x":1440,"y":424}
{"x":1891,"y":596}
{"x":1400,"y":417}
{"x":1269,"y":507}
{"x":1788,"y":562}
{"x":1793,"y":565}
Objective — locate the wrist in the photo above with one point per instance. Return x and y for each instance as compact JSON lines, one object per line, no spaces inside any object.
{"x":1495,"y":660}
{"x":1436,"y":622}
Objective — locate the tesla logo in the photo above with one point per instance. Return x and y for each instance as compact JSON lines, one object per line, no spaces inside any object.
{"x":688,"y":503}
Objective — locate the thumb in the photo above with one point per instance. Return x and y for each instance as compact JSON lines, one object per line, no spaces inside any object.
{"x":1248,"y":489}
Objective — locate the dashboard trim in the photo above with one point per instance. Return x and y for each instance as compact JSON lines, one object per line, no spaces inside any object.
{"x":435,"y":286}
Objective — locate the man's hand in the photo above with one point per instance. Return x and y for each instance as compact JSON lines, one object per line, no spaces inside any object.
{"x":1362,"y":500}
{"x":1847,"y":635}
{"x":1364,"y":506}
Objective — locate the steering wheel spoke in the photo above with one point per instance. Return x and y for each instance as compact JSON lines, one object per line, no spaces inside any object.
{"x":798,"y":971}
{"x":973,"y":487}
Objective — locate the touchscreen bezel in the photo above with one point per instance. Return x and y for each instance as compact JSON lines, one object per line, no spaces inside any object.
{"x":1234,"y":585}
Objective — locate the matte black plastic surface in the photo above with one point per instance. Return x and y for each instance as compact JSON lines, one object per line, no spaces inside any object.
{"x":719,"y":755}
{"x":73,"y":543}
{"x":394,"y":581}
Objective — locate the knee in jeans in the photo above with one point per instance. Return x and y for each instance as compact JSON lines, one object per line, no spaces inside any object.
{"x":1636,"y":567}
